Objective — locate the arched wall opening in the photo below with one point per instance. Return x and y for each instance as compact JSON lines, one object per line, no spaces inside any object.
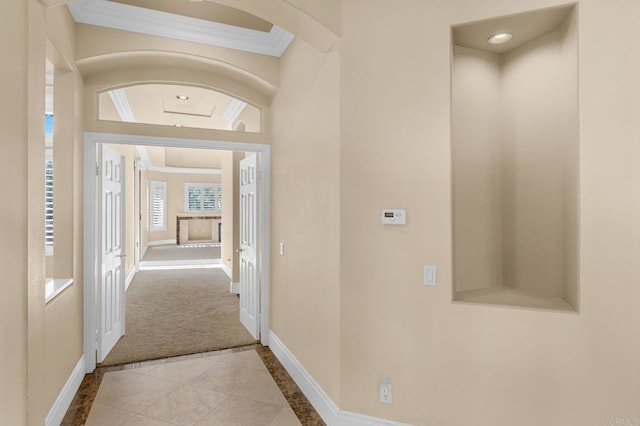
{"x":179,"y":105}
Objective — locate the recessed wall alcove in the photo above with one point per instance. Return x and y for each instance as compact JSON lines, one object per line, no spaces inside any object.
{"x":515,"y":167}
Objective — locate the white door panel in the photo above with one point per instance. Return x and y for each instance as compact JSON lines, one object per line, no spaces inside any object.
{"x":110,"y":240}
{"x":249,"y":285}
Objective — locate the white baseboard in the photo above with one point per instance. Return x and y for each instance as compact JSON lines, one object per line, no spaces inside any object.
{"x":63,"y":401}
{"x":325,"y":407}
{"x":233,"y":287}
{"x":127,"y":282}
{"x":157,"y":243}
{"x":227,"y":270}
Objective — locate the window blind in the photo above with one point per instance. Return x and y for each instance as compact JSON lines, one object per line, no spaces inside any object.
{"x":48,"y":202}
{"x":157,"y":206}
{"x":203,"y":197}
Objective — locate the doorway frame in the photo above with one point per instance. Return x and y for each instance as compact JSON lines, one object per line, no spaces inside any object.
{"x":91,"y":140}
{"x":137,"y":168}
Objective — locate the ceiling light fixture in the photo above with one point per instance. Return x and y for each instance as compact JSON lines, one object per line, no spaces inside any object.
{"x":178,"y":125}
{"x":499,"y":38}
{"x":182,"y":97}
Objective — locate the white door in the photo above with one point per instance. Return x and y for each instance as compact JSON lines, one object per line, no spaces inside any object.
{"x":111,"y":291}
{"x":249,"y":286}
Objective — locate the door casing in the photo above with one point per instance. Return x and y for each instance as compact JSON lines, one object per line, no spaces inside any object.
{"x":91,"y":140}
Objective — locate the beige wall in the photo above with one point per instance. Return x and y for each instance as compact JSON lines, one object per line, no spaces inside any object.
{"x":305,"y":181}
{"x":51,"y":345}
{"x":477,"y":167}
{"x":456,"y":364}
{"x":36,"y":347}
{"x":63,"y":338}
{"x":251,"y":117}
{"x":230,"y":210}
{"x":14,"y":219}
{"x":175,"y":199}
{"x":248,"y":75}
{"x":541,"y":148}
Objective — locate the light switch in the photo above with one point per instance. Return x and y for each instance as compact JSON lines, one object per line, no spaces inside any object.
{"x":430,"y":275}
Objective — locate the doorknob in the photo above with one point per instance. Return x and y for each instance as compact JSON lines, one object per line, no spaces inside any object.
{"x":121,"y":255}
{"x":240,"y":250}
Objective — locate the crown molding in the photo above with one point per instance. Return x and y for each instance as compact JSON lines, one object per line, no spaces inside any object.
{"x":120,"y":101}
{"x":232,"y":112}
{"x":152,"y":22}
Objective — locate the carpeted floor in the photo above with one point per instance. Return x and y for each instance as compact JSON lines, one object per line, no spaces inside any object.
{"x":178,"y":312}
{"x":187,"y":252}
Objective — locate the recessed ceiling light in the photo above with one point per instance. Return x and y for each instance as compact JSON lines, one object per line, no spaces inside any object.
{"x":499,"y":38}
{"x":178,"y":125}
{"x":182,"y":97}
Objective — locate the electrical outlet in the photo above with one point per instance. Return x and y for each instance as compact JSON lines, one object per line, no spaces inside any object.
{"x":386,"y":396}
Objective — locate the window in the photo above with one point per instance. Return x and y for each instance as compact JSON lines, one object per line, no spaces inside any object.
{"x":48,"y":160}
{"x":48,"y":201}
{"x":202,"y":197}
{"x":157,"y":206}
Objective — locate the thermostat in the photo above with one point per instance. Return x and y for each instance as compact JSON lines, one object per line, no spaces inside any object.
{"x":394,"y":217}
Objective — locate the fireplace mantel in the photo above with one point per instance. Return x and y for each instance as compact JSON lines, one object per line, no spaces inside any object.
{"x":193,"y":216}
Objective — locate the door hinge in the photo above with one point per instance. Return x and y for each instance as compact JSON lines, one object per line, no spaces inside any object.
{"x":97,"y":170}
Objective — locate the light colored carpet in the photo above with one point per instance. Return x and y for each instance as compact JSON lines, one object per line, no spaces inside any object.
{"x":187,"y":252}
{"x":179,"y":312}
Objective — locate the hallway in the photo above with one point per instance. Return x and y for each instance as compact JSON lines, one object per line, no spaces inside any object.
{"x":178,"y":312}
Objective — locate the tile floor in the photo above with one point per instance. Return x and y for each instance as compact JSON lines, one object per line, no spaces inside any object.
{"x":222,"y":389}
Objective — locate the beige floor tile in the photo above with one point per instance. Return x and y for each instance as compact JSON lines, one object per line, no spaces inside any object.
{"x":181,"y":371}
{"x":237,"y":411}
{"x":145,"y":421}
{"x":132,"y":392}
{"x":224,"y":379}
{"x":248,"y":359}
{"x":103,"y":415}
{"x":262,"y":387}
{"x":233,"y":389}
{"x":286,"y":418}
{"x":185,"y":406}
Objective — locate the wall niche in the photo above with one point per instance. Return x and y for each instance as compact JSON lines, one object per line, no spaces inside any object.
{"x":515,"y":146}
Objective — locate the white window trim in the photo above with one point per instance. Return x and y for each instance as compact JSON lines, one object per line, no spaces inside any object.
{"x":198,"y":185}
{"x":152,"y":227}
{"x":54,"y":286}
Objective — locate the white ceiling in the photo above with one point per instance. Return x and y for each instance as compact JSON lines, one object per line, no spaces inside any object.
{"x":198,"y":158}
{"x":181,"y":160}
{"x":524,"y":27}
